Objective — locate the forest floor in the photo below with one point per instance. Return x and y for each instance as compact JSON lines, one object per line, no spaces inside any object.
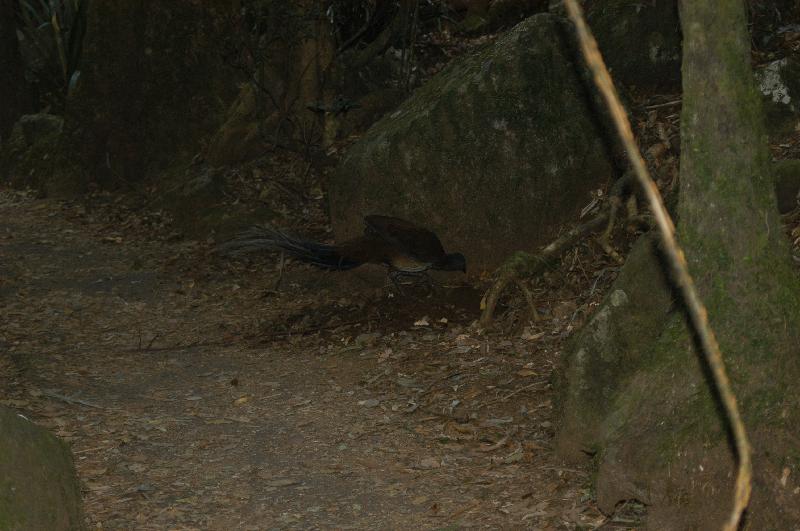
{"x":197,"y":393}
{"x":196,"y":396}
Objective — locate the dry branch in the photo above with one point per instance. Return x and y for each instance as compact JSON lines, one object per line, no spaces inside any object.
{"x":677,"y":262}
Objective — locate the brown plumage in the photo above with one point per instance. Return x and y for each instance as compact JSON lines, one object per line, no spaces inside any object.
{"x":403,"y":246}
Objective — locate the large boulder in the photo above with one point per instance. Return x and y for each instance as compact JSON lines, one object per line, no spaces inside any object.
{"x":494,"y":153}
{"x":38,"y":485}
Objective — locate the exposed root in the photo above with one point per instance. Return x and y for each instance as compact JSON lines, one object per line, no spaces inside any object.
{"x":604,"y":240}
{"x":616,"y":198}
{"x":523,"y":264}
{"x":529,"y":298}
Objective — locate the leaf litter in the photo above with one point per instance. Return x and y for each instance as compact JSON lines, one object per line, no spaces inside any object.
{"x":194,"y":395}
{"x":191,"y":400}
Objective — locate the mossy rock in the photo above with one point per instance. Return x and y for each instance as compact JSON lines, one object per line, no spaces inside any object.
{"x":38,"y":485}
{"x":495,"y":153}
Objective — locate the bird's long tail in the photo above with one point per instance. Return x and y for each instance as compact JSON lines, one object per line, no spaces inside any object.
{"x":264,"y":238}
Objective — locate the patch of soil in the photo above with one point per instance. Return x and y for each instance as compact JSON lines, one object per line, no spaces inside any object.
{"x":195,"y":395}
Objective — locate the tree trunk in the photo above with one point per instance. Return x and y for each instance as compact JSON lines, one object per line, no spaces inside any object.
{"x":637,"y":396}
{"x":13,"y":90}
{"x":287,"y":80}
{"x":152,"y":85}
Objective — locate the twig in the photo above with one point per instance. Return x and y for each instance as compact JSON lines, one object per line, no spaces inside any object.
{"x":525,"y":388}
{"x":467,"y":508}
{"x":509,"y":395}
{"x":310,"y":329}
{"x":499,"y":444}
{"x":524,"y":263}
{"x":677,"y":262}
{"x":665,"y":104}
{"x":182,"y":347}
{"x":85,"y":450}
{"x":70,"y":400}
{"x":150,"y":344}
{"x":604,"y":240}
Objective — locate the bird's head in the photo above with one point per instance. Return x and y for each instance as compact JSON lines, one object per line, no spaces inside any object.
{"x":453,"y":262}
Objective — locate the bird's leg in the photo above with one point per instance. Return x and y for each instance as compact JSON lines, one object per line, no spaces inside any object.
{"x":281,"y":264}
{"x":421,"y":276}
{"x":394,"y":274}
{"x":418,"y":276}
{"x":427,"y":279}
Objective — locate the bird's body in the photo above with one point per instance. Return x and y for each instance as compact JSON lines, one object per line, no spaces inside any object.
{"x":404,"y":247}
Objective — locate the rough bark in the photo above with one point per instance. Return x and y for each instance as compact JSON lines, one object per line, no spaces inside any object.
{"x":152,"y":85}
{"x":636,"y":396}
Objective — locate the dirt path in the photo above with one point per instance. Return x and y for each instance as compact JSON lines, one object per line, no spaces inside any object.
{"x":194,"y":397}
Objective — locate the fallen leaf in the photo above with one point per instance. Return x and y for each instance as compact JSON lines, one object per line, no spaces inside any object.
{"x":513,"y":457}
{"x":241,"y":400}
